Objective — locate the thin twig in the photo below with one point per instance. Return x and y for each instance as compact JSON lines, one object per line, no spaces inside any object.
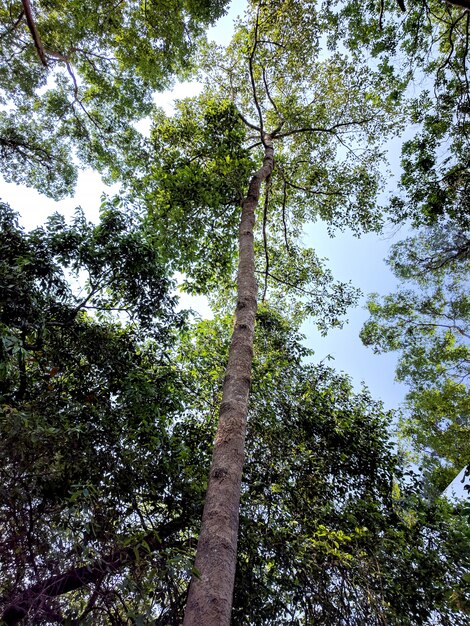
{"x":284,"y":201}
{"x":268,"y":94}
{"x":265,"y":239}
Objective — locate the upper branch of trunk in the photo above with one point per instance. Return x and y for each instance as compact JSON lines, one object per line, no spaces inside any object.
{"x":34,"y":31}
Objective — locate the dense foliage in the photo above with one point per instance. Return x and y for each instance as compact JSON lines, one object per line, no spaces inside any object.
{"x":75,"y":78}
{"x":425,"y":44}
{"x":106,"y":438}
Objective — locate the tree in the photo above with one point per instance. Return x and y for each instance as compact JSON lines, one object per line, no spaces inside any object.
{"x":429,"y":324}
{"x":76,"y":77}
{"x":314,"y":122}
{"x":325,"y":515}
{"x":425,"y":42}
{"x":85,"y":403}
{"x":309,"y":115}
{"x":428,"y":45}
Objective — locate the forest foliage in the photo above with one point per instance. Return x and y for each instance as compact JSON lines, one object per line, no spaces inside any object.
{"x":110,"y":393}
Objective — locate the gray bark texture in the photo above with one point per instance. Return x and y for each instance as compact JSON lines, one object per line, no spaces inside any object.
{"x":211,"y":590}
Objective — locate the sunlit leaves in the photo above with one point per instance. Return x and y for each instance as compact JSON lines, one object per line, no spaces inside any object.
{"x":99,"y":67}
{"x":193,"y":182}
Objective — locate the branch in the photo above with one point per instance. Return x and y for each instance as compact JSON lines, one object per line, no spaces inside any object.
{"x":450,"y":41}
{"x":34,"y":31}
{"x":265,"y":81}
{"x":463,"y":4}
{"x":265,"y":239}
{"x":252,"y":78}
{"x":465,"y":54}
{"x":78,"y":577}
{"x":411,"y":323}
{"x":272,"y":43}
{"x":92,"y":601}
{"x":288,"y":284}
{"x":66,"y":60}
{"x":249,"y":124}
{"x":320,"y":129}
{"x":14,"y":27}
{"x":94,"y":289}
{"x":284,"y":201}
{"x":314,"y":192}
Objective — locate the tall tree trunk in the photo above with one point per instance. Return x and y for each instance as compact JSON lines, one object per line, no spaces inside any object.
{"x":211,"y":590}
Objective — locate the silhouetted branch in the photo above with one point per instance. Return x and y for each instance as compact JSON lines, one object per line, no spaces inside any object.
{"x":265,"y":81}
{"x":249,"y":124}
{"x":15,"y":25}
{"x":78,"y":577}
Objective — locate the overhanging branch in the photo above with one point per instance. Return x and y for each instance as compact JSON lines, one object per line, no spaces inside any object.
{"x":78,"y":577}
{"x":28,"y":12}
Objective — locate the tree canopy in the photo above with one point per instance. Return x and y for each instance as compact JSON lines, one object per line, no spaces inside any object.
{"x":75,"y":79}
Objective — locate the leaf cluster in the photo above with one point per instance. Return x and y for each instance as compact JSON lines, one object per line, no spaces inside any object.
{"x":427,"y":321}
{"x":76,"y":76}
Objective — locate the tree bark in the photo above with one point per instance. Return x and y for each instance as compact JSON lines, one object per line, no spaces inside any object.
{"x":211,"y":589}
{"x":34,"y":31}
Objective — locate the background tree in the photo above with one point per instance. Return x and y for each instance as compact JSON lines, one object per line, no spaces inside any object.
{"x":426,"y":44}
{"x":428,"y":323}
{"x":86,"y":403}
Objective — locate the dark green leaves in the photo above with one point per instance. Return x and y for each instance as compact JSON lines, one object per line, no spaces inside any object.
{"x":193,"y":184}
